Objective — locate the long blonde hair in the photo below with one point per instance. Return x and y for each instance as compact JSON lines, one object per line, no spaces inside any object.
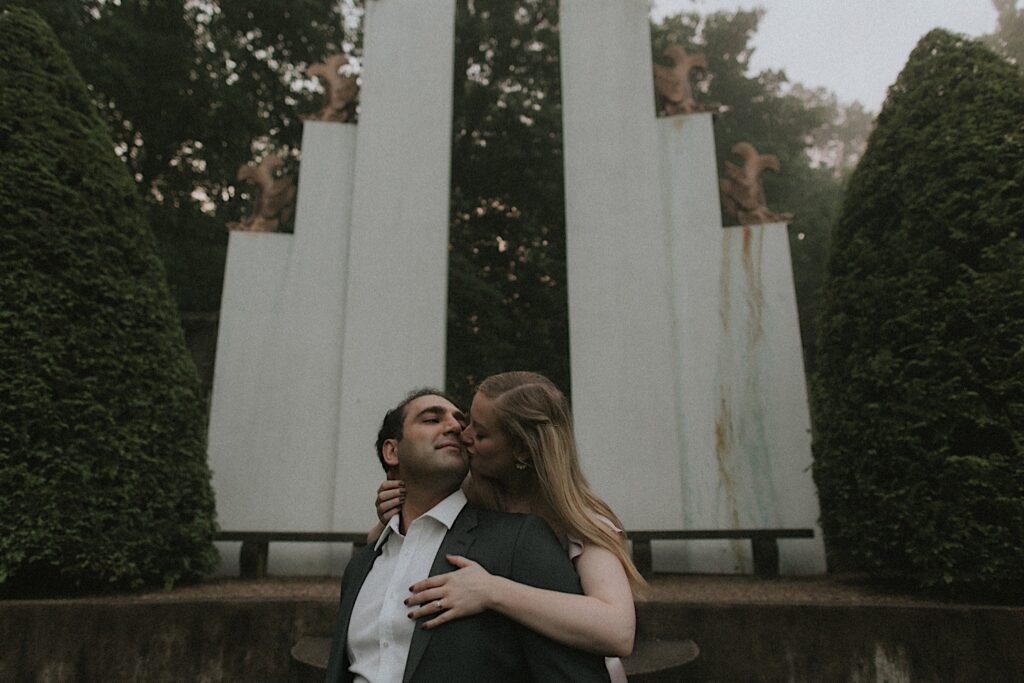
{"x":535,"y":416}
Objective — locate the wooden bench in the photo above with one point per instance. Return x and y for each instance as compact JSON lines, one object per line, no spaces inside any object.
{"x":252,"y":560}
{"x":763,"y":541}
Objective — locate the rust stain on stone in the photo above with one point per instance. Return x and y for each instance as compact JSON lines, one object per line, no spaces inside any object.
{"x":724,"y":285}
{"x":755,"y":288}
{"x":723,"y":455}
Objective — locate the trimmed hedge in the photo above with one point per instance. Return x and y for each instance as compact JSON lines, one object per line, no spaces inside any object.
{"x":103,"y":475}
{"x":919,"y":397}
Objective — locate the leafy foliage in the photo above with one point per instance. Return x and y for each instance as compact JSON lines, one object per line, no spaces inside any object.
{"x":919,"y":444}
{"x":192,"y":89}
{"x":507,"y":294}
{"x":103,"y":476}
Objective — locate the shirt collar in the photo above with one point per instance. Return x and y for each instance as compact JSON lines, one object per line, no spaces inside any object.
{"x":444,"y":512}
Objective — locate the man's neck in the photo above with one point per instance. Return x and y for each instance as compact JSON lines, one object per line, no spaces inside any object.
{"x":417,"y":503}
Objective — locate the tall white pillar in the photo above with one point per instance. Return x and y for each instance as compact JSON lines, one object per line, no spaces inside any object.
{"x":687,"y":376}
{"x":620,"y":309}
{"x":323,"y":330}
{"x":274,"y":409}
{"x":396,"y":300}
{"x":747,"y":453}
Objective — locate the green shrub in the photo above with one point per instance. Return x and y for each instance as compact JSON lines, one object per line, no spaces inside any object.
{"x":103,"y":475}
{"x":919,"y":398}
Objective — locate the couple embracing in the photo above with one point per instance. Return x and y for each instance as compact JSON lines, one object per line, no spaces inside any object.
{"x":457,"y":587}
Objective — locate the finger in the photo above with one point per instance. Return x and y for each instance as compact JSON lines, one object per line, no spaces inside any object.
{"x":424,"y":598}
{"x":385,"y":516}
{"x":391,"y":493}
{"x":388,"y":496}
{"x":431,"y":606}
{"x":427,"y":584}
{"x":460,"y":561}
{"x":384,"y":506}
{"x":444,"y":617}
{"x":425,"y":611}
{"x":390,"y":484}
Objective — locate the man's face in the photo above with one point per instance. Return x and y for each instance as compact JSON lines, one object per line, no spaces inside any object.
{"x":431,"y":440}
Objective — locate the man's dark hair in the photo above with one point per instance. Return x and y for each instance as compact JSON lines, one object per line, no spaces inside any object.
{"x":391,"y":427}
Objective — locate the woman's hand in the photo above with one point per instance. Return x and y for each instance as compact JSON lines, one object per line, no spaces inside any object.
{"x":390,"y":496}
{"x":461,"y":593}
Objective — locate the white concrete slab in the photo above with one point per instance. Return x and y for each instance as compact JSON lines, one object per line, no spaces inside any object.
{"x":687,"y":376}
{"x":273,"y":424}
{"x":620,"y":311}
{"x":396,"y":299}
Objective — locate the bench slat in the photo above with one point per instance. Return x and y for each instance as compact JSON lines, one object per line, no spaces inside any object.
{"x":293,"y":536}
{"x":710,"y":534}
{"x":764,"y":542}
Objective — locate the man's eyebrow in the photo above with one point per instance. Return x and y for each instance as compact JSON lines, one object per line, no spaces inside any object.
{"x":439,"y":411}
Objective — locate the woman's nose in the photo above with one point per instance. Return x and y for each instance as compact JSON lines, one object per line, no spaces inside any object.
{"x":467,"y":436}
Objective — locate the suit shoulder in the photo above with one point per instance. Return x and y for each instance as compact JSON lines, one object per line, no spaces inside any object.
{"x":517,"y":522}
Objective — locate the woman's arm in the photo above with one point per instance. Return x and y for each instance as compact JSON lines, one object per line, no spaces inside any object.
{"x":602,"y":621}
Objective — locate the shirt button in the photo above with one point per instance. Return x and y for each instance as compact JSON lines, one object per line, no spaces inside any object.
{"x":386,"y":644}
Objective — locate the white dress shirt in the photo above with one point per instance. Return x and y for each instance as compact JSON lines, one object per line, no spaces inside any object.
{"x":379,"y":632}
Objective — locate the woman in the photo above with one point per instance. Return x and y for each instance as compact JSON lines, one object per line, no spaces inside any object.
{"x":522,"y":458}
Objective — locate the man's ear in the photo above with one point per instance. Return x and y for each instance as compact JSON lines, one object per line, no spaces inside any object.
{"x":389,"y":449}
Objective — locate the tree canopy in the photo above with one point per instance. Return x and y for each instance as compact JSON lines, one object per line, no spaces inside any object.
{"x":919,"y":400}
{"x":103,"y":476}
{"x":192,"y":89}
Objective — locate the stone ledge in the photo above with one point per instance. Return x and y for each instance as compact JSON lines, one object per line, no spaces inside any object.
{"x":752,"y":631}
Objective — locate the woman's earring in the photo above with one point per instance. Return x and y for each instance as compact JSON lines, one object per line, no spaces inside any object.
{"x":522,"y":464}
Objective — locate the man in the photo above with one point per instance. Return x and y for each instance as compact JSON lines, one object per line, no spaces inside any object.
{"x":375,"y":641}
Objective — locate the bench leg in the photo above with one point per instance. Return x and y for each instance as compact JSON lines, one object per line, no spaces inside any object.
{"x":252,"y":560}
{"x":766,"y":557}
{"x":642,"y":558}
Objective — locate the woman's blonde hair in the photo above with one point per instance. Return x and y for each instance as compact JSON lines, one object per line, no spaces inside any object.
{"x":535,"y":416}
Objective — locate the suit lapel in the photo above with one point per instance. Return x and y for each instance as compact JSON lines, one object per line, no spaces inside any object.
{"x":360,"y":565}
{"x":456,"y":542}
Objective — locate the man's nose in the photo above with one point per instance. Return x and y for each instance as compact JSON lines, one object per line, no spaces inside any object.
{"x":452,"y":425}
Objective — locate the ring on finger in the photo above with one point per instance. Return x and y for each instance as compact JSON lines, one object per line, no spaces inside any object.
{"x":437,"y":604}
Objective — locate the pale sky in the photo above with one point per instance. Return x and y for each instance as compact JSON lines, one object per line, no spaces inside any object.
{"x":855,"y":48}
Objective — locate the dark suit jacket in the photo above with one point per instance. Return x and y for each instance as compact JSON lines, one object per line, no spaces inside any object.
{"x":485,"y":646}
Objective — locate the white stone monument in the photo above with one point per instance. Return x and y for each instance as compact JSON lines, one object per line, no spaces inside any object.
{"x":323,"y":330}
{"x":688,"y":382}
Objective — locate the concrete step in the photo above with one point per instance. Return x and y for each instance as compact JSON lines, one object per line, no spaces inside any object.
{"x":655,"y":661}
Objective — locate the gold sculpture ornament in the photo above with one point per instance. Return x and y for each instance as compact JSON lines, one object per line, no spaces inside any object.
{"x":743,"y":192}
{"x":275,"y":196}
{"x":672,"y":83}
{"x":339,"y":90}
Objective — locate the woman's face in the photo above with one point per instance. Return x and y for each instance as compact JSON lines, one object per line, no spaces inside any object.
{"x":490,"y":454}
